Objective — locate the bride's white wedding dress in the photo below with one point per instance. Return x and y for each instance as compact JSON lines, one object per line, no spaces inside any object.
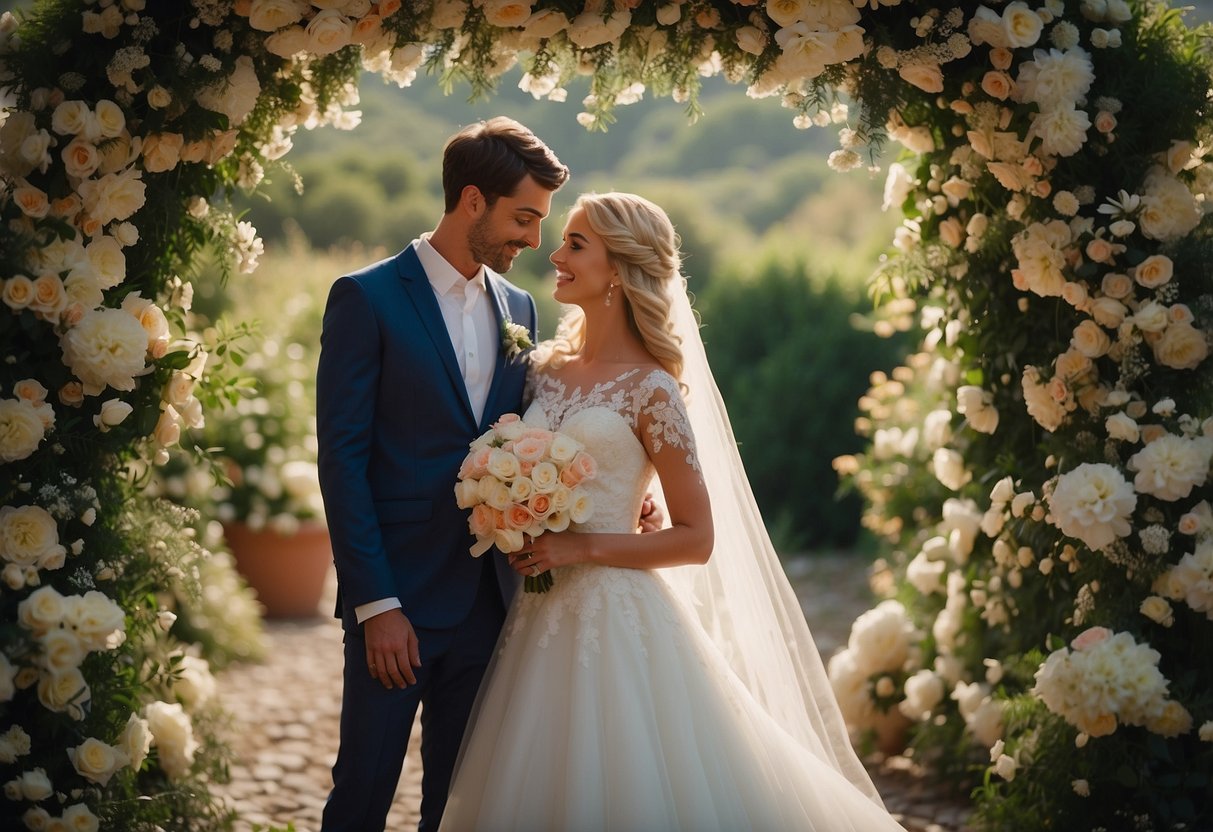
{"x":608,"y":706}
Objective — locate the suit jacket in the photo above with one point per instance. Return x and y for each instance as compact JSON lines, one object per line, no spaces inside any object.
{"x":393,"y":424}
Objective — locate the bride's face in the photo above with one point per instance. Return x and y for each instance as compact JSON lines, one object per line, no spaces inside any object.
{"x":583,"y":270}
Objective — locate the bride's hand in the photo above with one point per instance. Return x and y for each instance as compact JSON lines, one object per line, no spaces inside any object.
{"x":542,"y":553}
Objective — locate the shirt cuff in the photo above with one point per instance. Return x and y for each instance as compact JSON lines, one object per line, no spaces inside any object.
{"x":365,"y":611}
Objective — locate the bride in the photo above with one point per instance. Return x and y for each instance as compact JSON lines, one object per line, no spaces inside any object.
{"x":667,"y":681}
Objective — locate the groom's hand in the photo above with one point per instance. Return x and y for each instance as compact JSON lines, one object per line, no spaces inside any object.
{"x":392,"y":650}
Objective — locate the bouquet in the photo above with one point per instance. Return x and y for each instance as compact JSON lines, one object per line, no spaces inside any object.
{"x":520,"y":480}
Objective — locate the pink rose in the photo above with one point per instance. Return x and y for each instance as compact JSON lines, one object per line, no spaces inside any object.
{"x":1091,"y":637}
{"x":480,"y":461}
{"x":506,"y":418}
{"x":570,"y":477}
{"x":584,"y":466}
{"x":530,"y":449}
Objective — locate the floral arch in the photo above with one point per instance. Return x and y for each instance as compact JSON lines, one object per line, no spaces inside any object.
{"x":1039,"y":467}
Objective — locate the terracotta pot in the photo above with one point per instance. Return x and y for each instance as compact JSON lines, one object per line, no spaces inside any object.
{"x":288,"y":571}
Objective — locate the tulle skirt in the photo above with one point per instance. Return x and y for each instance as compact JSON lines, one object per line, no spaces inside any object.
{"x":607,"y":708}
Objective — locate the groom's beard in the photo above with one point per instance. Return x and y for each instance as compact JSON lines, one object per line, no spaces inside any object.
{"x":488,"y":251}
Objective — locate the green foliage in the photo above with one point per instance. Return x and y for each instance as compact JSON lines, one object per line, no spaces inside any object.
{"x":790,"y":364}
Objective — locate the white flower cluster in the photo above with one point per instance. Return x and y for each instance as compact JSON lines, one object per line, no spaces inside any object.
{"x":1104,"y":680}
{"x":880,"y":643}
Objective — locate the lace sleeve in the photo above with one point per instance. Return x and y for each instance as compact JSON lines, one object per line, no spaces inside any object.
{"x":661,"y":417}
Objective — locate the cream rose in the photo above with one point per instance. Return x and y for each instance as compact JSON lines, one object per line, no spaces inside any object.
{"x":98,"y":621}
{"x":1171,"y":466}
{"x":1090,"y":339}
{"x":1108,"y":312}
{"x":65,"y":692}
{"x":162,"y":151}
{"x":18,"y":292}
{"x":110,"y":118}
{"x":151,"y":319}
{"x":1021,"y":25}
{"x":328,"y":31}
{"x":21,"y":430}
{"x":287,"y":42}
{"x":32,"y":201}
{"x":107,"y":347}
{"x":173,"y":735}
{"x":506,"y":13}
{"x":1157,"y":609}
{"x":96,"y":761}
{"x":61,"y":650}
{"x":581,"y":505}
{"x":927,"y":77}
{"x":113,"y":413}
{"x":1181,"y":347}
{"x":272,"y":15}
{"x":115,"y":196}
{"x":79,"y":818}
{"x":107,"y":260}
{"x":71,"y":118}
{"x":1121,"y":426}
{"x":29,"y":536}
{"x":80,"y":158}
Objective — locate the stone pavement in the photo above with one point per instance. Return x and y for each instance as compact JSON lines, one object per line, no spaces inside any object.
{"x":283,"y":729}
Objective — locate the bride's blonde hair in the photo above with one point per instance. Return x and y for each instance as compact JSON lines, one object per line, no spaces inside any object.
{"x":643,"y":248}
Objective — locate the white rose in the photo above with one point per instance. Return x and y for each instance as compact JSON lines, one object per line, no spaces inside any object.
{"x":976,"y":405}
{"x":110,"y":118}
{"x":96,"y":761}
{"x":107,"y":261}
{"x":926,"y":575}
{"x":1151,"y":316}
{"x":98,"y":620}
{"x":35,"y":785}
{"x":1093,"y":503}
{"x":79,"y":818}
{"x":196,"y":685}
{"x":880,"y":638}
{"x":113,"y":413}
{"x":590,"y":28}
{"x":64,"y":692}
{"x":168,"y":428}
{"x":173,"y":735}
{"x":1168,"y":208}
{"x":287,"y":42}
{"x":1021,"y":25}
{"x":107,"y":347}
{"x":503,"y":465}
{"x":563,"y":448}
{"x":115,"y":196}
{"x":42,"y":610}
{"x":328,"y":31}
{"x":61,"y":650}
{"x":923,"y":691}
{"x":158,"y":97}
{"x":581,"y":505}
{"x":1171,"y":466}
{"x":1158,"y":610}
{"x":29,"y":536}
{"x":897,"y":186}
{"x":751,"y":39}
{"x":272,"y":15}
{"x":136,"y":740}
{"x":71,"y":118}
{"x":949,"y":468}
{"x":21,"y":430}
{"x":1121,"y":426}
{"x":1181,"y":347}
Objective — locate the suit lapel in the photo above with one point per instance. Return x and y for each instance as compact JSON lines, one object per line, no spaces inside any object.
{"x":421,"y":293}
{"x":501,"y":309}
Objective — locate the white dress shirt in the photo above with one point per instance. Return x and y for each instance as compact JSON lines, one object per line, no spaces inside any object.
{"x":471,"y":325}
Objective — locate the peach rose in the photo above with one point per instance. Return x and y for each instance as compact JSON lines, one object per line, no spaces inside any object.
{"x":1091,"y":637}
{"x":584,"y":465}
{"x":540,"y":505}
{"x":80,"y":158}
{"x":18,"y":292}
{"x":482,"y":521}
{"x":530,"y":449}
{"x":927,"y":77}
{"x":1116,"y":285}
{"x":996,"y":85}
{"x":1181,"y":347}
{"x":1100,"y":250}
{"x":518,"y":516}
{"x":1001,"y":57}
{"x":1154,"y":271}
{"x":32,"y":201}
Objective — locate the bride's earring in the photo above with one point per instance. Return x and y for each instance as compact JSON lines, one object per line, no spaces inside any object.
{"x":610,"y":288}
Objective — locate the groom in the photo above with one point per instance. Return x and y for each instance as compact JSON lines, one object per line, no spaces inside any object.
{"x":413,"y":367}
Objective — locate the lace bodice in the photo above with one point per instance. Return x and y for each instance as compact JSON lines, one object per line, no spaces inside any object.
{"x":612,"y":419}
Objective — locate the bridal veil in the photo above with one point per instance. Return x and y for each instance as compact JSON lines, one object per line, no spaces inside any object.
{"x":742,"y":596}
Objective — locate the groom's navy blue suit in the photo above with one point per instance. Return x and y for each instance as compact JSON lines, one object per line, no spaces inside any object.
{"x":394,"y":422}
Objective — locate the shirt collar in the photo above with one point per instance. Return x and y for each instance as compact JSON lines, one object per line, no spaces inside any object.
{"x":444,"y":277}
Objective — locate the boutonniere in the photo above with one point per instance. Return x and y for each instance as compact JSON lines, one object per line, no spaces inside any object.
{"x":514,"y":338}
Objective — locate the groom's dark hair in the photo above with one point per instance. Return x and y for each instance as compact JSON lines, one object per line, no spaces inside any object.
{"x":494,"y":156}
